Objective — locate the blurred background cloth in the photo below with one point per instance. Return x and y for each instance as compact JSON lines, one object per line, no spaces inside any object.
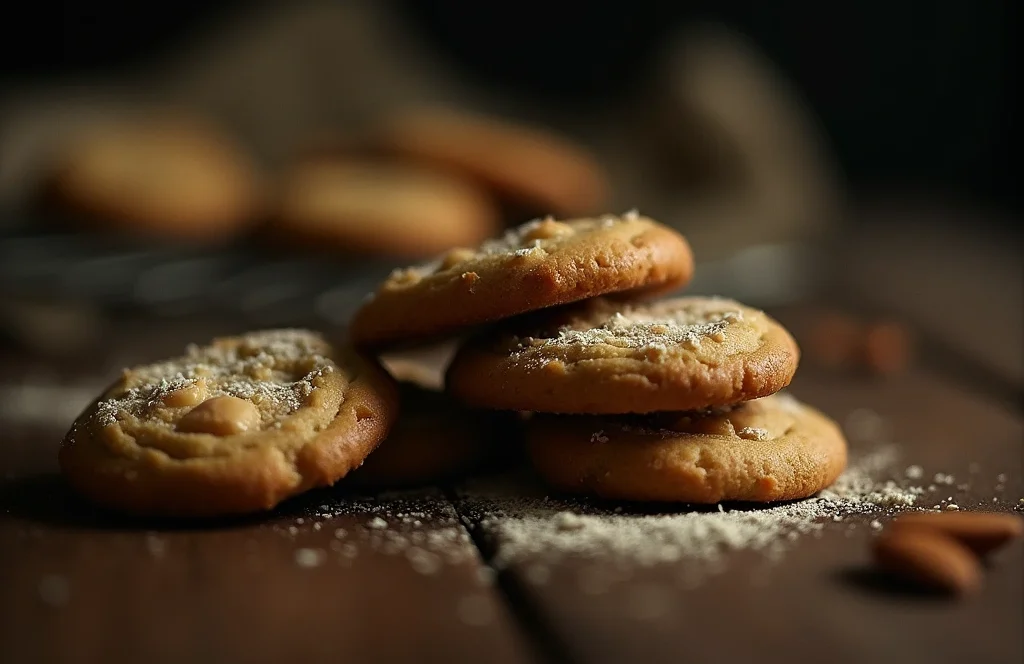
{"x":750,"y":128}
{"x":910,"y":95}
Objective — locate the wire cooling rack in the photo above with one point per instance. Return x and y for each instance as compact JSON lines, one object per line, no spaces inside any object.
{"x":259,"y":285}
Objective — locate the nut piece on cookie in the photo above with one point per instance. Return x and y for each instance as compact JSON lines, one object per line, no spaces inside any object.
{"x":233,"y":427}
{"x":524,"y":165}
{"x":601,"y":356}
{"x":774,"y":448}
{"x":540,"y":264}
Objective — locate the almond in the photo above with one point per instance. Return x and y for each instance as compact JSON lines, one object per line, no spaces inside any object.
{"x":929,"y":559}
{"x":981,"y":532}
{"x":887,"y":348}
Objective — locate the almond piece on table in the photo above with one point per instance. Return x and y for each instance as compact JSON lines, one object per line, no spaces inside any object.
{"x":929,"y":559}
{"x":981,"y":532}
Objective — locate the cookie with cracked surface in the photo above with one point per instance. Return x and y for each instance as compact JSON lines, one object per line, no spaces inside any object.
{"x":540,"y":264}
{"x":774,"y":448}
{"x":378,"y":208}
{"x":526,"y":165}
{"x":163,"y":177}
{"x":233,"y":427}
{"x":603,"y":356}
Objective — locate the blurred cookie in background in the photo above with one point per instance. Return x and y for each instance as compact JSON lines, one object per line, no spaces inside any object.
{"x":170,"y":177}
{"x":375,"y":207}
{"x":526,"y":166}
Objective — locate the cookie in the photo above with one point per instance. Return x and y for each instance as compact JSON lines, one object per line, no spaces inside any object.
{"x":379,"y":208}
{"x":603,"y":356}
{"x":524,"y":165}
{"x":774,"y":448}
{"x":435,"y":439}
{"x":236,"y":426}
{"x":173,"y":179}
{"x":539,"y":264}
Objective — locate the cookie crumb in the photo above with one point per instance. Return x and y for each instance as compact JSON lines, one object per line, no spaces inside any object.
{"x":568,"y":521}
{"x":155,"y":546}
{"x":377,"y":523}
{"x":914,"y":472}
{"x":340,"y":533}
{"x":599,"y":437}
{"x":424,"y":562}
{"x":309,"y":557}
{"x":54,"y":590}
{"x":876,"y":525}
{"x":952,"y":507}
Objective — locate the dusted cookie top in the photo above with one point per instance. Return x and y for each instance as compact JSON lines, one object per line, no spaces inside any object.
{"x":274,"y":372}
{"x":539,"y":264}
{"x":774,"y":448}
{"x":230,"y":427}
{"x":603,"y":356}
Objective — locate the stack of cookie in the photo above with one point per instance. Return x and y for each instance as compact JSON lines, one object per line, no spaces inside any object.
{"x":668,"y":400}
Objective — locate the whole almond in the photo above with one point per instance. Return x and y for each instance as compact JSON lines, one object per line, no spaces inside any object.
{"x":887,"y":348}
{"x":929,"y":559}
{"x":981,"y":532}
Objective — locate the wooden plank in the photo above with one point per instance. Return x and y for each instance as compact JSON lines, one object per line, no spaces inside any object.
{"x":820,"y":599}
{"x":328,"y":577}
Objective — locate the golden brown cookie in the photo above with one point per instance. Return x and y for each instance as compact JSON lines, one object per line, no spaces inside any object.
{"x":527,"y":165}
{"x":380,"y":208}
{"x":603,"y":356}
{"x":539,"y":264}
{"x":233,"y":427}
{"x":433,"y":440}
{"x":178,"y":179}
{"x":774,"y":448}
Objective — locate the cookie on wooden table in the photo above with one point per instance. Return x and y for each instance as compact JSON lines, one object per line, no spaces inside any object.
{"x":603,"y":356}
{"x":166,"y":178}
{"x":539,"y":264}
{"x":236,"y":426}
{"x":774,"y":448}
{"x":381,"y":208}
{"x":435,"y":438}
{"x":527,"y":165}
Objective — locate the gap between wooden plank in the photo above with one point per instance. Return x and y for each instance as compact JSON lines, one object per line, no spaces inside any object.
{"x":542,"y":636}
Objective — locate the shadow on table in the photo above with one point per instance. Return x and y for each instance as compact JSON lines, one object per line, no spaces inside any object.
{"x":877,"y":582}
{"x":48,"y":500}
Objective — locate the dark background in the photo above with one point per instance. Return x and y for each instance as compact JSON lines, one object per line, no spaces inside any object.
{"x":914,"y":96}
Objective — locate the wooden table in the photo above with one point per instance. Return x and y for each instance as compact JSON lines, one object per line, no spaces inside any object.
{"x":335,"y":576}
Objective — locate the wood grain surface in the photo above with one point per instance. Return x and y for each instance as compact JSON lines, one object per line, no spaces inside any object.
{"x":404,"y":577}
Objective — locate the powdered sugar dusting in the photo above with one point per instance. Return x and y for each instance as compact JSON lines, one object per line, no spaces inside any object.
{"x":686,"y":324}
{"x":535,"y":530}
{"x":274,"y":369}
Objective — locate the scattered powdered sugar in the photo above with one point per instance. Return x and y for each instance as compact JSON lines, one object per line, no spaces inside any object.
{"x":538,"y":531}
{"x":310,"y":557}
{"x":274,"y":369}
{"x":419,"y":525}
